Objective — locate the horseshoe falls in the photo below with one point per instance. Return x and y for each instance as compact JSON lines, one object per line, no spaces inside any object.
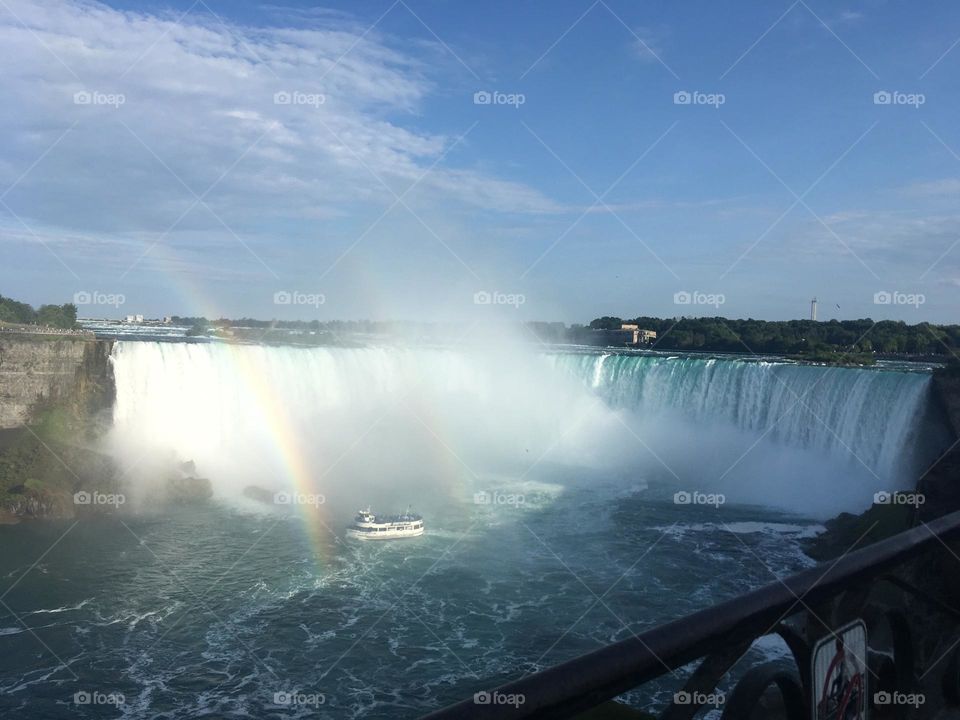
{"x":344,"y":421}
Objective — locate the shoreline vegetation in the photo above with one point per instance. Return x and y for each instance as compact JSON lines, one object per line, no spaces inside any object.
{"x":836,"y":342}
{"x":854,"y":343}
{"x":20,"y":316}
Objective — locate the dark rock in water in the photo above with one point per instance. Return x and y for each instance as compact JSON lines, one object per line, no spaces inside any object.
{"x":848,"y":532}
{"x":940,"y":487}
{"x":255,"y":492}
{"x":188,"y":489}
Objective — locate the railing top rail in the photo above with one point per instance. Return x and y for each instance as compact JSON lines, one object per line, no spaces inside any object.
{"x":593,"y":678}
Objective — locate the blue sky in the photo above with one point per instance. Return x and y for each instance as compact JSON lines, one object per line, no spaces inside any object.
{"x":146,"y":153}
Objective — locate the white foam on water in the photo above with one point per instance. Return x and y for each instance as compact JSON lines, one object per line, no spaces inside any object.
{"x":54,"y":611}
{"x":745,"y":528}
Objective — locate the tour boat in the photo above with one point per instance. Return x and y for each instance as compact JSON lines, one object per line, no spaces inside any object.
{"x":367,"y":526}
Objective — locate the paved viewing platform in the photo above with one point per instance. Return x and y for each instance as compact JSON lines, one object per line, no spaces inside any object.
{"x":17,"y":329}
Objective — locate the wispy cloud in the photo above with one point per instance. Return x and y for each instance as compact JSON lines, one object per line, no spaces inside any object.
{"x":906,"y":245}
{"x":944,"y":187}
{"x":275,"y":124}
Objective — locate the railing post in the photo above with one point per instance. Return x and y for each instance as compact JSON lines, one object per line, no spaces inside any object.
{"x":704,"y":680}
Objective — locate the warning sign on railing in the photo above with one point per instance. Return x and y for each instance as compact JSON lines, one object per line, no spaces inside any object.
{"x":840,"y":674}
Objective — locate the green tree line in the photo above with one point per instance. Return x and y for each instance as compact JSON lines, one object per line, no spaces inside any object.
{"x":795,"y":336}
{"x":58,"y":316}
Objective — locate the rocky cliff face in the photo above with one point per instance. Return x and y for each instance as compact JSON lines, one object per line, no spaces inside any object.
{"x":40,"y":372}
{"x":940,"y":485}
{"x":55,"y":399}
{"x":946,"y":385}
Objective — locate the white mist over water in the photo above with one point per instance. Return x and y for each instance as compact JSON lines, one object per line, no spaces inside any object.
{"x":353,"y":424}
{"x":402,"y":425}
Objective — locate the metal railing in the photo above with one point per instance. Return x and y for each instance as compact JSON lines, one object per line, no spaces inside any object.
{"x":723,"y":633}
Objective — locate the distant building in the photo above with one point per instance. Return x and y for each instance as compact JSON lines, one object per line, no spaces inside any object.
{"x":628,"y":335}
{"x":639,"y":335}
{"x":167,"y":320}
{"x":133,"y":319}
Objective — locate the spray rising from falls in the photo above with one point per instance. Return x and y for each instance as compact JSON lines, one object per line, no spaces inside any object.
{"x":353,"y":422}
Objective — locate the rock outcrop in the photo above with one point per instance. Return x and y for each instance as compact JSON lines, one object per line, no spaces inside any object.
{"x":56,"y":395}
{"x":940,"y":484}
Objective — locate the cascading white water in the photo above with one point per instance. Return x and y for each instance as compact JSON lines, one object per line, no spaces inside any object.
{"x":875,"y":416}
{"x":348,"y":420}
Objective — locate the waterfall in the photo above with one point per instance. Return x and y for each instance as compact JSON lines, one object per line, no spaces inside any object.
{"x":877,"y":416}
{"x":811,"y":438}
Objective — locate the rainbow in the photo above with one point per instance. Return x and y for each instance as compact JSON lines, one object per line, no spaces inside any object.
{"x":303,"y":473}
{"x":284,"y":438}
{"x":287,"y":444}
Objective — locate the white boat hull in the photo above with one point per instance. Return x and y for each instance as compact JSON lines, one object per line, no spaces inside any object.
{"x":373,"y":534}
